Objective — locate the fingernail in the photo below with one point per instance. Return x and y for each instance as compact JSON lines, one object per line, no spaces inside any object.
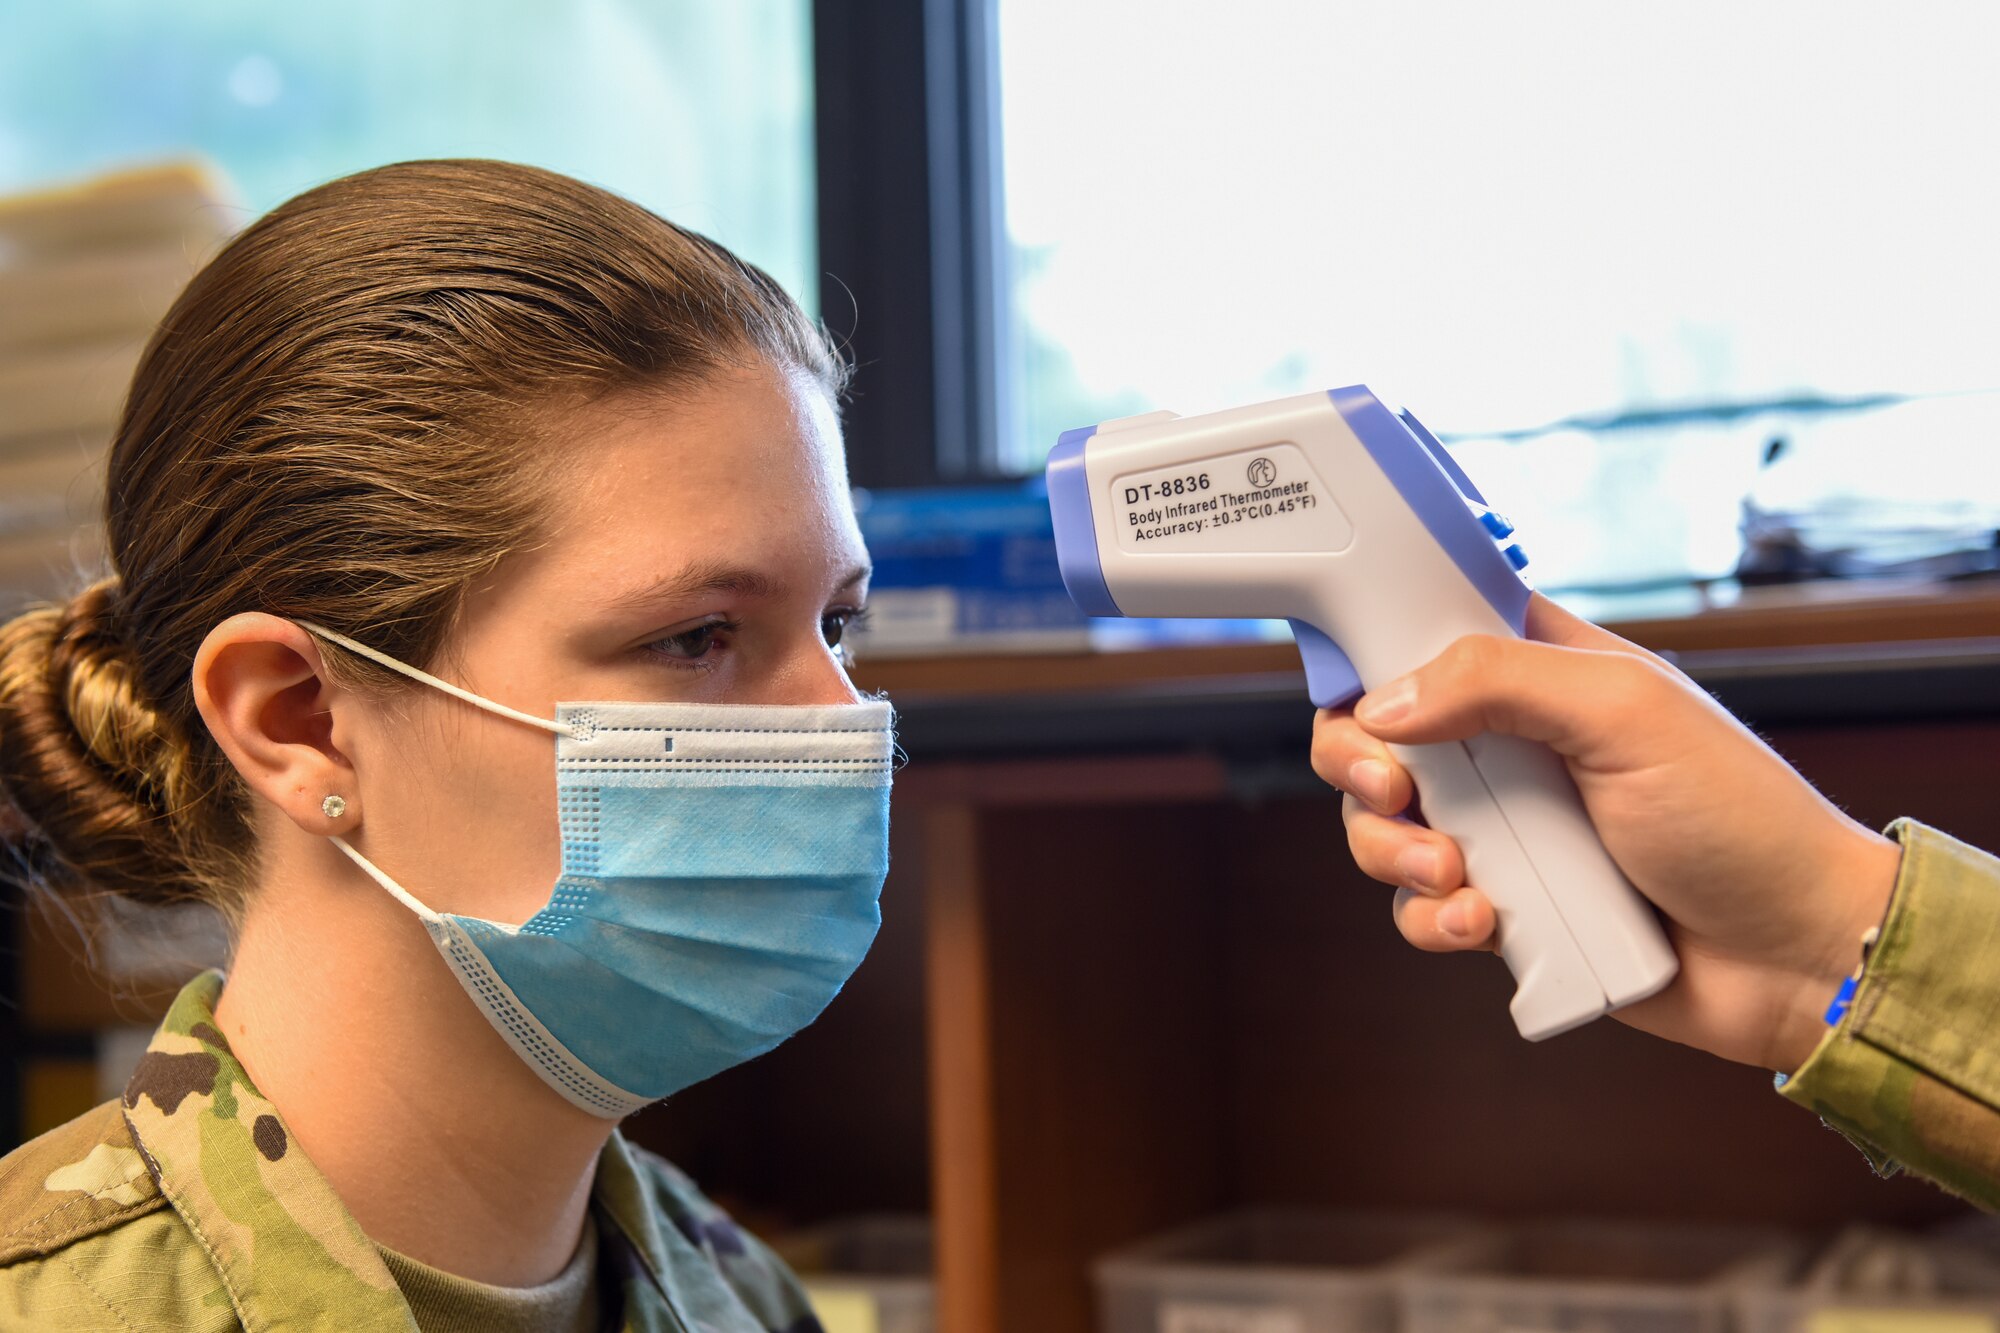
{"x":1389,"y":703}
{"x":1455,"y":919}
{"x":1418,"y":864}
{"x":1369,"y":780}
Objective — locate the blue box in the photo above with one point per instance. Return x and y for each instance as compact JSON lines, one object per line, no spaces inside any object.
{"x":965,"y":569}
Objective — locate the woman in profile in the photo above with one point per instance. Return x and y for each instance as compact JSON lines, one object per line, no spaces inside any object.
{"x":480,"y":554}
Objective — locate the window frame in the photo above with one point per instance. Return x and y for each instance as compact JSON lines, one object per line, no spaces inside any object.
{"x":912,"y":239}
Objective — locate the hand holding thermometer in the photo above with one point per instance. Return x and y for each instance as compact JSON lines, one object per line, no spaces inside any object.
{"x":1352,"y":522}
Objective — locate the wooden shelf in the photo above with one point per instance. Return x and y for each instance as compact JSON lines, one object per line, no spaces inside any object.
{"x":1148,"y":997}
{"x":1788,"y":616}
{"x":1148,"y":1001}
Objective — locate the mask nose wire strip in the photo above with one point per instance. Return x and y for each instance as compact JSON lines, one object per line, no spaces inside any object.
{"x":401,"y":894}
{"x":559,"y":728}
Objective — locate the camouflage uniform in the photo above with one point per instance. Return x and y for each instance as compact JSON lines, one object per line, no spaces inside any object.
{"x":186,"y":1205}
{"x":1911,"y":1074}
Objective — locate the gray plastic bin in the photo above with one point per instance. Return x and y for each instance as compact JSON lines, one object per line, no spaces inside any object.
{"x":871,"y":1272}
{"x":1600,"y":1277}
{"x":1272,"y":1271}
{"x":1871,"y":1279}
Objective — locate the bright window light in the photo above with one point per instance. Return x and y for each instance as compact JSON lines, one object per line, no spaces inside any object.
{"x":700,"y":111}
{"x":1507,"y":216}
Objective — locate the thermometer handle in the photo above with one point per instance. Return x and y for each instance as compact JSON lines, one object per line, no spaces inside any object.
{"x":1579,"y":939}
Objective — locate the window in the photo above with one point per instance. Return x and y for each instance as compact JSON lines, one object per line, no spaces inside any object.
{"x":702,"y":112}
{"x":1689,"y":229}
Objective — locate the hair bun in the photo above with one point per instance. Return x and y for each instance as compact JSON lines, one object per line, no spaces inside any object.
{"x":84,"y":759}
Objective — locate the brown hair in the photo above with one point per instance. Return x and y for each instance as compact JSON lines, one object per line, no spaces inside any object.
{"x":337,"y":421}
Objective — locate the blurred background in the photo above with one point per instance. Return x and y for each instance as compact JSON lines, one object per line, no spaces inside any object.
{"x":1649,"y":278}
{"x":1705,"y":295}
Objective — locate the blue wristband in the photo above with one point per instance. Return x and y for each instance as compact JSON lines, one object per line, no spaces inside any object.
{"x":1844,"y":999}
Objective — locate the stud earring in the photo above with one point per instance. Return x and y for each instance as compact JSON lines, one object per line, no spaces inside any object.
{"x":333,"y":807}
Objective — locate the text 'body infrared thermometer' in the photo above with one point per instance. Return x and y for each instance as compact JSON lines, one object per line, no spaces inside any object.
{"x":1351,"y":521}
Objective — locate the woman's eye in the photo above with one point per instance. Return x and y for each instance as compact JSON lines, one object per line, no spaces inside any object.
{"x":691,"y":645}
{"x":835,"y":624}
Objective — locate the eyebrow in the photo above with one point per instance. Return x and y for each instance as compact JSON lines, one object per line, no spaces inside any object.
{"x":703,"y":577}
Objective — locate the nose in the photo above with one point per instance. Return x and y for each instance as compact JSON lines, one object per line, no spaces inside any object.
{"x":818,"y":676}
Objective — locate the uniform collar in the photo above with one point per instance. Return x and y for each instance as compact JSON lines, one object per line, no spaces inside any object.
{"x":657,"y":1239}
{"x":287,"y":1251}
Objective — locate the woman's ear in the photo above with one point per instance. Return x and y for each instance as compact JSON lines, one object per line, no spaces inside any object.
{"x":263,"y":691}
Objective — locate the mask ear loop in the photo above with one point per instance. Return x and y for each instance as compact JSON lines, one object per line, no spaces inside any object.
{"x":559,"y":728}
{"x":397,"y":891}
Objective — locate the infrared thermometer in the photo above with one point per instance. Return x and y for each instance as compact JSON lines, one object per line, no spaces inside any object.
{"x":1347,"y":518}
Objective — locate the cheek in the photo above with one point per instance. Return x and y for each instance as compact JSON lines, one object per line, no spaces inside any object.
{"x":480,"y":797}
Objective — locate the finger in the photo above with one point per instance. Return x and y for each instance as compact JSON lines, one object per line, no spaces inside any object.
{"x":1462,"y":921}
{"x":1398,"y":852}
{"x":1349,"y":758}
{"x":1580,"y":701}
{"x":1550,"y":622}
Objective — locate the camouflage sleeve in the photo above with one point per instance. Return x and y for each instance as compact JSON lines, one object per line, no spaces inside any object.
{"x":1911,"y":1075}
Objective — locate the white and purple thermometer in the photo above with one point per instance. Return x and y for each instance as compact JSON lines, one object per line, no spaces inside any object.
{"x":1350,"y":520}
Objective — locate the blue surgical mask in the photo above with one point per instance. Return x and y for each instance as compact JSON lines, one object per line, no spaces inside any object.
{"x":722,"y":866}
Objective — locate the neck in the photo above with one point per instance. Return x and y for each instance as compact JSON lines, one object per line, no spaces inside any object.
{"x":442,"y":1143}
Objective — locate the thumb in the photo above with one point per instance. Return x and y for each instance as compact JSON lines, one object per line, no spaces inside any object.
{"x":1581,"y":702}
